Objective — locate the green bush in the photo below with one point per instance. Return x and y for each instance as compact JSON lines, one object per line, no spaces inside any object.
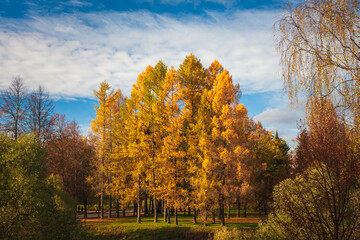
{"x":229,"y":234}
{"x":31,"y":206}
{"x":314,"y":205}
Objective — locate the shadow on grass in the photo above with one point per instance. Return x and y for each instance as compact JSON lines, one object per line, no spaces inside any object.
{"x":164,"y":233}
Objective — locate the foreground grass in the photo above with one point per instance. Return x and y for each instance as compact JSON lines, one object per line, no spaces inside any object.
{"x":127,"y":228}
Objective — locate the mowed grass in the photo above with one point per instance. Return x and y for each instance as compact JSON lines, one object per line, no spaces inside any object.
{"x":127,"y":228}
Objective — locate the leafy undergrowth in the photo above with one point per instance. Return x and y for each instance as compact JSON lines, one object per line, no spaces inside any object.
{"x":127,"y":228}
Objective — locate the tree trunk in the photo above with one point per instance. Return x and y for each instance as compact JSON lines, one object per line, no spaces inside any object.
{"x":139,"y":203}
{"x":176,"y":217}
{"x":163,"y":206}
{"x":124,"y":213}
{"x":219,"y":213}
{"x":245,"y":205}
{"x":205,"y":218}
{"x":98,"y":209}
{"x":85,"y":208}
{"x":213,"y":216}
{"x":194,"y":219}
{"x":168,"y":215}
{"x":238,"y":207}
{"x":138,"y":219}
{"x":102,"y":204}
{"x":155,"y":210}
{"x":150,"y":206}
{"x":109,"y":216}
{"x":228,"y":213}
{"x":146,"y":205}
{"x":134,"y":212}
{"x":165,"y":211}
{"x":222,"y":218}
{"x":117,"y":208}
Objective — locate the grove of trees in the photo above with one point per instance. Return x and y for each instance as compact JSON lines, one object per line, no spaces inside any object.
{"x":182,"y":140}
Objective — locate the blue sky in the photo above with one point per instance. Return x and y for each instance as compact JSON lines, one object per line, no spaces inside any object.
{"x":70,"y":46}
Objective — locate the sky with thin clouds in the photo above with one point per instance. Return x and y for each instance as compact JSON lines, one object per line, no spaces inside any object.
{"x":70,"y":46}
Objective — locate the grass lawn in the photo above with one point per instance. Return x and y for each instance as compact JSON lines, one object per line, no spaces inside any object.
{"x":127,"y":228}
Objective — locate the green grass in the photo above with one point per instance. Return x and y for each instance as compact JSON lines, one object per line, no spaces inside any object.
{"x":127,"y":228}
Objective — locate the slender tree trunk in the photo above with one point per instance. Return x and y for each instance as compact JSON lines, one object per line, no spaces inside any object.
{"x":150,"y":206}
{"x":163,"y":205}
{"x":85,"y":208}
{"x":117,"y":207}
{"x":159,"y":207}
{"x":139,"y":203}
{"x":219,"y":213}
{"x":146,"y":205}
{"x":165,"y":211}
{"x":109,"y":206}
{"x":205,"y":217}
{"x":189,"y":211}
{"x":155,"y":210}
{"x":134,"y":206}
{"x":102,"y":204}
{"x":228,"y":213}
{"x":98,"y":209}
{"x":123,"y":211}
{"x":194,"y":219}
{"x":245,"y":205}
{"x":168,"y":215}
{"x":238,"y":207}
{"x":176,"y":217}
{"x":153,"y":174}
{"x":213,"y":216}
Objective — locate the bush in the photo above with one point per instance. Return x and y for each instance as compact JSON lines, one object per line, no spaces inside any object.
{"x":314,"y":205}
{"x":30,"y":205}
{"x":229,"y":234}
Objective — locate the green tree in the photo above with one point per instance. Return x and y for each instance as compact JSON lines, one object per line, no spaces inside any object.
{"x":31,"y":207}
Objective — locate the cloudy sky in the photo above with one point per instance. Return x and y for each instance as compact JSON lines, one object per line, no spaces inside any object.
{"x":70,"y":46}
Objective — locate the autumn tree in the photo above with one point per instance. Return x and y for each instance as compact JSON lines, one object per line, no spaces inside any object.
{"x":13,"y":111}
{"x":173,"y":157}
{"x":118,"y":167}
{"x":319,"y":45}
{"x":221,"y":135}
{"x":152,"y":114}
{"x":71,"y":157}
{"x":321,"y":202}
{"x":191,"y":75}
{"x":136,"y":139}
{"x":101,"y":137}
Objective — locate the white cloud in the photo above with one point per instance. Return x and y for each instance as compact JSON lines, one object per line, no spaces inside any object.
{"x":280,"y":116}
{"x":284,"y":120}
{"x":72,"y":54}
